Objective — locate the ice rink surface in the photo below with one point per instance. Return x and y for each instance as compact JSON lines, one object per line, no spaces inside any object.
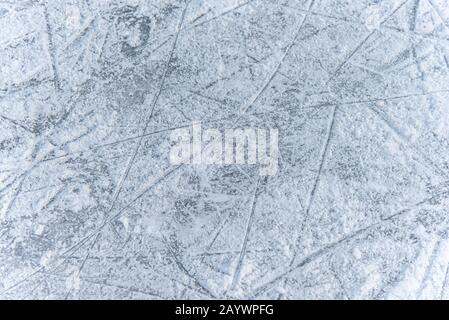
{"x":91,"y":207}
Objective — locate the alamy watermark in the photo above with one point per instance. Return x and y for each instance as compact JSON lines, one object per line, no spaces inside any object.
{"x":230,"y":146}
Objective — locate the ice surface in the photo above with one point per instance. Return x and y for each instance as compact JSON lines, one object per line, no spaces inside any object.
{"x":91,"y":207}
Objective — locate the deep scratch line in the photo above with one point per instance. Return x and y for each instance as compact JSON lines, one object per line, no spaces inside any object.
{"x":238,"y":269}
{"x":329,"y":248}
{"x":51,"y":49}
{"x":245,"y":108}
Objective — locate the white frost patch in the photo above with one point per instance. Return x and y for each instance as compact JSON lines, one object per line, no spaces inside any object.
{"x":425,"y":278}
{"x":47,"y":258}
{"x":39,"y":229}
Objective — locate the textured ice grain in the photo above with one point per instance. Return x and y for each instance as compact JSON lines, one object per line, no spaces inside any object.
{"x":90,"y":206}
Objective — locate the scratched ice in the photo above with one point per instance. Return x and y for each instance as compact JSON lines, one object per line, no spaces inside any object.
{"x":91,"y":207}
